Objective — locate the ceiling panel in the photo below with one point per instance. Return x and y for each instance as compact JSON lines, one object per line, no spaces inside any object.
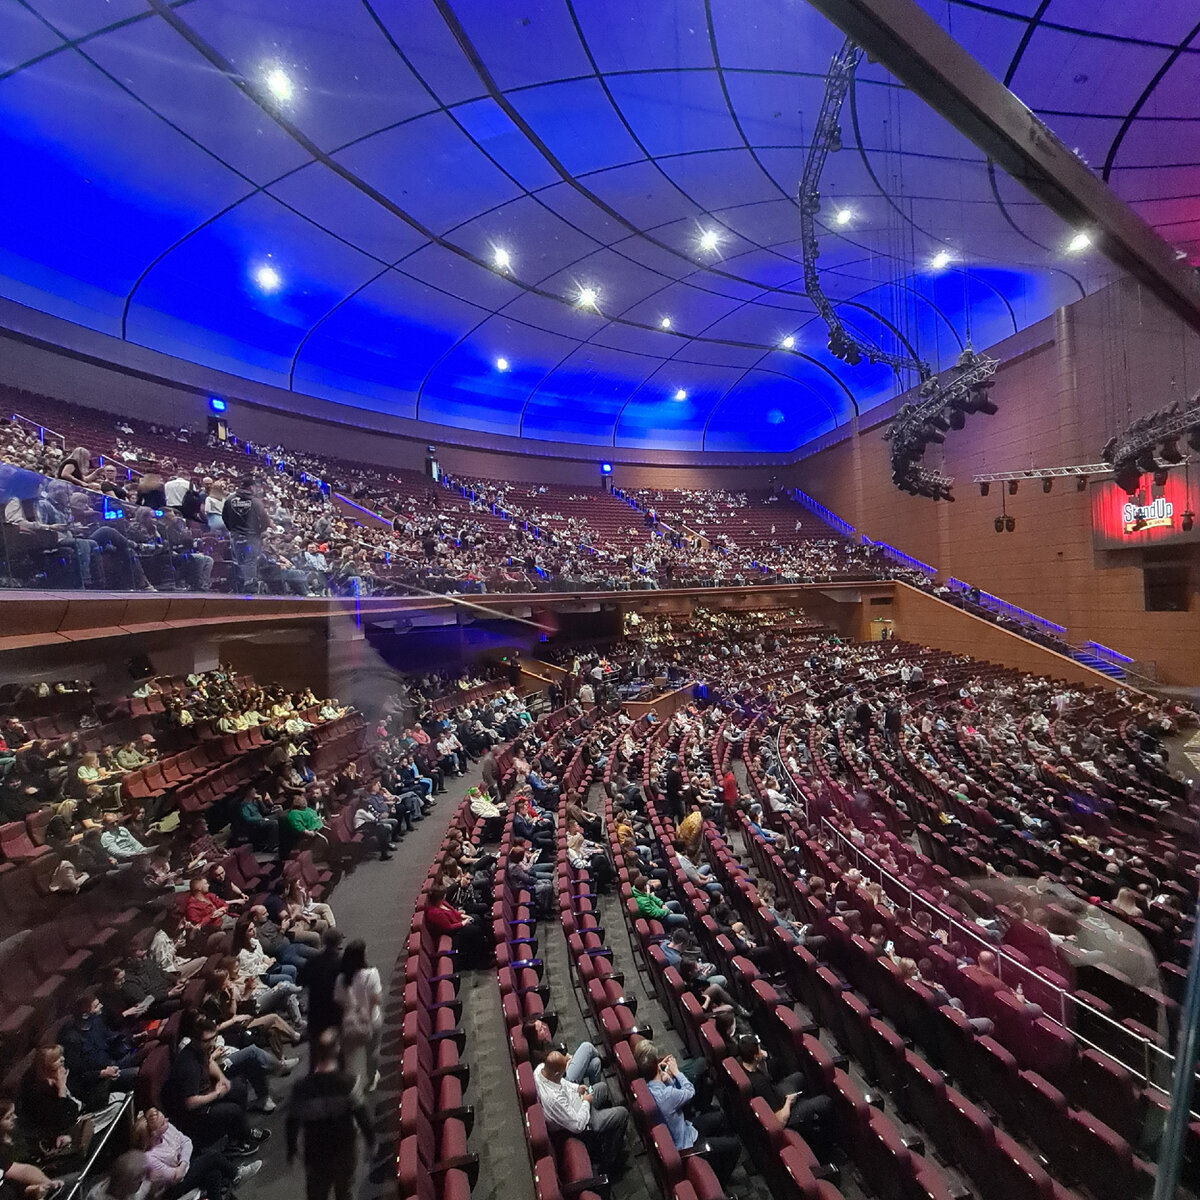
{"x":151,"y":173}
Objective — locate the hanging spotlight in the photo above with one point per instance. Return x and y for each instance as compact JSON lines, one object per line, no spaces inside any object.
{"x":940,"y":260}
{"x":502,"y":364}
{"x":1169,"y":451}
{"x":788,"y":342}
{"x":1081,"y":483}
{"x":999,"y":524}
{"x":501,"y":259}
{"x":843,"y":216}
{"x":587,"y":297}
{"x":680,"y":394}
{"x":665,"y":323}
{"x":1127,"y":475}
{"x":1160,"y":478}
{"x":1010,"y":523}
{"x":1081,"y":241}
{"x":709,"y":239}
{"x":1187,"y":520}
{"x":984,"y":488}
{"x":1047,"y":484}
{"x":1012,"y":487}
{"x":1146,"y":461}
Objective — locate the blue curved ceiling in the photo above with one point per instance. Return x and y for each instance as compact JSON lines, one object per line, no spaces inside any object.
{"x":151,"y":174}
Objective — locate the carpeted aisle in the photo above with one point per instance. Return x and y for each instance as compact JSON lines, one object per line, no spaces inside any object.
{"x":376,"y":903}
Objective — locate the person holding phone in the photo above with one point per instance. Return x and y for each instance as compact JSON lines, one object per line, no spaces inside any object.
{"x":672,"y":1091}
{"x":809,"y":1116}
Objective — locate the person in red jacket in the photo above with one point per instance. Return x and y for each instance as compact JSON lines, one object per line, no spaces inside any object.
{"x":472,"y":940}
{"x":203,"y":909}
{"x":729,"y":790}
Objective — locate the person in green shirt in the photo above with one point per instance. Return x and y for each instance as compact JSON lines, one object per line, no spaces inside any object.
{"x":302,"y":819}
{"x":649,"y":905}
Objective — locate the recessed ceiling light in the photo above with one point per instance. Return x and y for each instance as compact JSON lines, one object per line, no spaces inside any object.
{"x":279,"y":85}
{"x":843,"y":216}
{"x":680,"y":394}
{"x":268,"y":279}
{"x":940,"y":259}
{"x":788,"y":342}
{"x":502,"y":364}
{"x":665,"y":323}
{"x":587,"y":298}
{"x":501,"y":258}
{"x":1081,"y":241}
{"x":709,"y":239}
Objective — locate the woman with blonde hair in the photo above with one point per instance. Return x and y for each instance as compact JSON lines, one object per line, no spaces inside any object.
{"x":173,"y":1168}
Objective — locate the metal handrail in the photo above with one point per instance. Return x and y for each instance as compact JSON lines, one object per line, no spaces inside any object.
{"x":1157,"y":1064}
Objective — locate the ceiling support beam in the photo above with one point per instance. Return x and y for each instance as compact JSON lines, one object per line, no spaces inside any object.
{"x":923,"y":56}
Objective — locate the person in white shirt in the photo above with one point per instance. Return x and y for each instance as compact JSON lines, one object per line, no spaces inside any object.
{"x":582,"y":1109}
{"x":587,"y":694}
{"x":176,"y":488}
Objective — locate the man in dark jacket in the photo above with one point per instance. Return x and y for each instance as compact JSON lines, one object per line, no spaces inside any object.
{"x":327,"y":1105}
{"x":98,"y":1059}
{"x":319,"y":976}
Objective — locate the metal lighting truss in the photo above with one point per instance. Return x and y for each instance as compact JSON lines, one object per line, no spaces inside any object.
{"x":942,"y":406}
{"x":827,"y":136}
{"x":1150,"y":443}
{"x":1044,"y":473}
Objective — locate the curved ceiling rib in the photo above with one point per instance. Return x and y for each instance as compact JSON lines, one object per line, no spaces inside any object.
{"x":546,"y":133}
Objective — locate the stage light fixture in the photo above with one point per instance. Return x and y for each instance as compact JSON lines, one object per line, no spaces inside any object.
{"x":501,"y":259}
{"x":843,"y":216}
{"x":502,"y":364}
{"x":1080,"y":242}
{"x":984,"y":488}
{"x":587,"y":297}
{"x":788,"y":342}
{"x":999,"y":523}
{"x":709,"y":239}
{"x":940,"y":260}
{"x":680,"y":394}
{"x":1010,"y":523}
{"x":1012,"y":487}
{"x":1128,"y":477}
{"x":1187,"y":520}
{"x":1081,"y":483}
{"x":268,"y":279}
{"x":665,"y":323}
{"x":1160,"y":478}
{"x":1169,"y":451}
{"x":1047,"y":484}
{"x":1146,"y":461}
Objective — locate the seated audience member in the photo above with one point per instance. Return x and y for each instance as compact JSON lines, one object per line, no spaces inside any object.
{"x":274,"y":939}
{"x":583,"y":1066}
{"x":100,"y":1061}
{"x":471,"y":938}
{"x":204,"y":910}
{"x":582,"y":1109}
{"x":707,"y":1131}
{"x":19,"y":1177}
{"x":126,"y":1179}
{"x":173,"y":1168}
{"x":649,"y":905}
{"x":202,"y":1102}
{"x":810,"y":1116}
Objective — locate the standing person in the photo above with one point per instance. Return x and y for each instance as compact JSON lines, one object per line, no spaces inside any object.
{"x":359,"y":992}
{"x":327,"y":1105}
{"x":320,"y":975}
